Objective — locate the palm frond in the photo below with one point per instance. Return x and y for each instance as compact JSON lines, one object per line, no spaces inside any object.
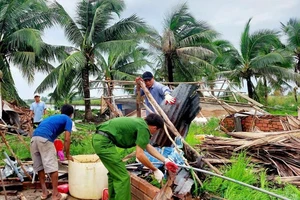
{"x":245,"y":43}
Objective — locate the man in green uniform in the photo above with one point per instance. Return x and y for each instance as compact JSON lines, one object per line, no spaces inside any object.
{"x":126,"y":132}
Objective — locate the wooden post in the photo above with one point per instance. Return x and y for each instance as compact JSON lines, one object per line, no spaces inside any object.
{"x":4,"y":190}
{"x":138,"y":102}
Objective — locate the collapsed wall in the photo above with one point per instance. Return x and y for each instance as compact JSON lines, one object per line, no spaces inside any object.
{"x":266,"y":123}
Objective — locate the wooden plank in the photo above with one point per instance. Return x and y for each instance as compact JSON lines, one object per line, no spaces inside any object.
{"x":249,"y":99}
{"x":9,"y":192}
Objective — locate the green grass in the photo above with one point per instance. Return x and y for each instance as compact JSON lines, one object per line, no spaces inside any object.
{"x":210,"y":128}
{"x":94,"y":102}
{"x":18,"y":147}
{"x":282,"y":105}
{"x":243,"y":171}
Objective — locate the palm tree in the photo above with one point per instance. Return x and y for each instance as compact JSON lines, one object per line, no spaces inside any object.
{"x":122,"y":65}
{"x":261,"y":54}
{"x":184,"y":46}
{"x":21,"y":46}
{"x":92,"y":34}
{"x":292,"y":30}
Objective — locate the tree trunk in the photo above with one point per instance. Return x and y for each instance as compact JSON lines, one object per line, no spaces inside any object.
{"x":86,"y":92}
{"x":169,"y":67}
{"x":249,"y":87}
{"x":297,"y":68}
{"x":265,"y":90}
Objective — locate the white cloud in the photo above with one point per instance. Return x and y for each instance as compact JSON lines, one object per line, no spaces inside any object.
{"x":227,"y":17}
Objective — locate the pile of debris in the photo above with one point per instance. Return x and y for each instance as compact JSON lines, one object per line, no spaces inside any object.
{"x":17,"y":119}
{"x":279,"y":152}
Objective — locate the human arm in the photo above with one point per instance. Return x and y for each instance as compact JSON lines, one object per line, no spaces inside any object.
{"x":166,"y":92}
{"x":67,"y":145}
{"x":45,"y":108}
{"x":169,"y":165}
{"x":140,"y":155}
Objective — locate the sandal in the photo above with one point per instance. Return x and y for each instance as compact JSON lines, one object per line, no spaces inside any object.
{"x":46,"y":197}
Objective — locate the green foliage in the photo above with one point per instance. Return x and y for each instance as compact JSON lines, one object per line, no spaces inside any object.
{"x":19,"y":148}
{"x":282,"y":105}
{"x":210,"y":128}
{"x":243,"y":171}
{"x":184,"y":47}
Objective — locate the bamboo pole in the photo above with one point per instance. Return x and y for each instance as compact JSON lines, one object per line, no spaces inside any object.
{"x":14,"y":155}
{"x":4,"y":190}
{"x":138,"y":102}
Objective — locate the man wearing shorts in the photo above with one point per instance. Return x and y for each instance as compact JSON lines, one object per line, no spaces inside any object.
{"x":43,"y":151}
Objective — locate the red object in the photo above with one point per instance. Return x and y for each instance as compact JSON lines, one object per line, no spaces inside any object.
{"x":105,"y":194}
{"x":59,"y":146}
{"x":171,"y":166}
{"x":64,"y":188}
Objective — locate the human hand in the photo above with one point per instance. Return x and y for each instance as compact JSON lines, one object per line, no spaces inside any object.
{"x":170,"y":165}
{"x":137,"y":79}
{"x":69,"y":157}
{"x":158,"y":175}
{"x":169,"y":99}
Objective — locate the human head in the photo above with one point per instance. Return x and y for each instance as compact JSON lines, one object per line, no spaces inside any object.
{"x":67,"y":109}
{"x":148,"y":79}
{"x":154,"y":122}
{"x":37,"y":97}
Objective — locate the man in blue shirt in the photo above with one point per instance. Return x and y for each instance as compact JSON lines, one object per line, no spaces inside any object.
{"x":38,"y":109}
{"x":159,"y":91}
{"x":43,"y":151}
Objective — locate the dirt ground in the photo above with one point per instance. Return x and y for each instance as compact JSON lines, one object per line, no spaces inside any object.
{"x":214,"y":110}
{"x":30,"y":195}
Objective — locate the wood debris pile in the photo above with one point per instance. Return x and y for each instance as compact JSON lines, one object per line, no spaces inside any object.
{"x":279,"y":152}
{"x":17,"y":118}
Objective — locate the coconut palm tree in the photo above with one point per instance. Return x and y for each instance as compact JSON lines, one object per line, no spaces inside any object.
{"x":122,"y":65}
{"x":261,"y":54}
{"x":184,"y":46}
{"x":21,"y":46}
{"x":92,"y":34}
{"x":292,"y":30}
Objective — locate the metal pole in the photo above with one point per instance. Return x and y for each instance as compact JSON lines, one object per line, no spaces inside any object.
{"x":235,"y":181}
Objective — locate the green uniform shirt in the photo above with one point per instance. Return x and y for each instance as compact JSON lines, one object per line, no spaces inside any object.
{"x":127,"y":131}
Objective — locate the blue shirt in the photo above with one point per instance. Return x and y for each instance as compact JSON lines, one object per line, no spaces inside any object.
{"x":53,"y":126}
{"x":158,"y":92}
{"x":38,"y":110}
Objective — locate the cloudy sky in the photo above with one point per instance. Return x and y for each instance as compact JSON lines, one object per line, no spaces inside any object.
{"x":228,"y":17}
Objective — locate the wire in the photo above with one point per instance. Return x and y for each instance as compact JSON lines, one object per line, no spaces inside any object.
{"x":235,"y":181}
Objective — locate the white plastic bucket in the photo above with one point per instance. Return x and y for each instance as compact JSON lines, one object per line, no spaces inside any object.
{"x":87,"y":177}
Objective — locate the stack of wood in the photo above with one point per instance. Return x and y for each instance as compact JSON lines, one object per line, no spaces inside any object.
{"x":279,"y":152}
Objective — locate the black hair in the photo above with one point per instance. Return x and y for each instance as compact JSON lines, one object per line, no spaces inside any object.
{"x":154,"y":120}
{"x":67,"y":109}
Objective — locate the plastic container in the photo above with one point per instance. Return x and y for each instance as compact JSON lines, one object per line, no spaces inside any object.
{"x":105,"y":194}
{"x":64,"y":188}
{"x":87,"y":177}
